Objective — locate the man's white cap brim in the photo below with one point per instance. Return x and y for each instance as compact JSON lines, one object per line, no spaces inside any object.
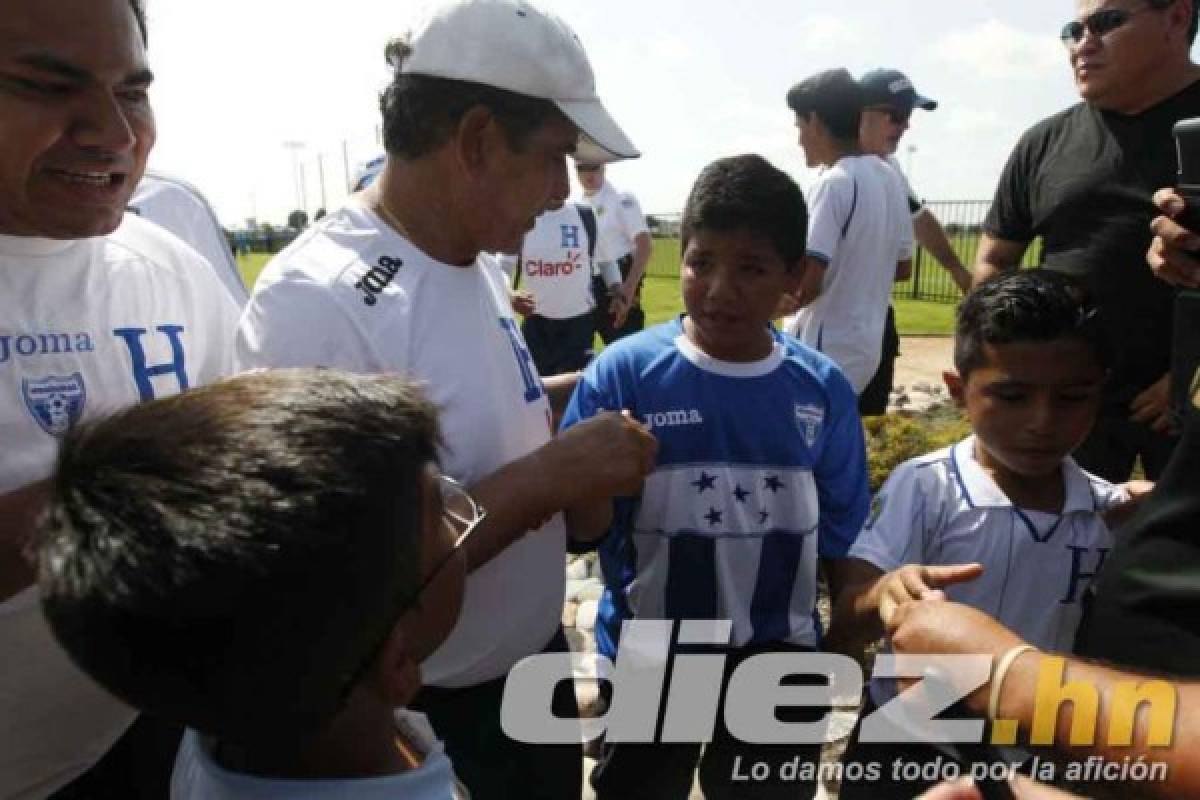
{"x":601,"y":140}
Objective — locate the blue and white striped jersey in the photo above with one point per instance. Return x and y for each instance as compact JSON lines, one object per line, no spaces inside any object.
{"x":761,"y":469}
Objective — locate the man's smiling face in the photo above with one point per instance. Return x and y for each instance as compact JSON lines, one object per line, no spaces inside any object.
{"x":75,"y":121}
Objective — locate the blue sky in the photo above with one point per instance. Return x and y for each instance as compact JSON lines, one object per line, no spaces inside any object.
{"x":690,"y":82}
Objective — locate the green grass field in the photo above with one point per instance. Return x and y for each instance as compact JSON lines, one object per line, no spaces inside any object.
{"x":661,"y":300}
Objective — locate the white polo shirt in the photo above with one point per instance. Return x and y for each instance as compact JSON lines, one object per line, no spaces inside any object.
{"x":556,"y":266}
{"x":859,"y":226}
{"x":943,"y":508}
{"x":352,"y":293}
{"x":619,"y":219}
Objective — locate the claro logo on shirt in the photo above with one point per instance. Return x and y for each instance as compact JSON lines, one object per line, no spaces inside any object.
{"x":377,"y":279}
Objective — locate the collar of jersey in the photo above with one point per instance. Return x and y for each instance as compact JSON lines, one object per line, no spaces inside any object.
{"x":728,"y":369}
{"x":980,"y":491}
{"x":34,"y":246}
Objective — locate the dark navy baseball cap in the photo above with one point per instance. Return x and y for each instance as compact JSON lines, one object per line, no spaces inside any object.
{"x":889,"y":87}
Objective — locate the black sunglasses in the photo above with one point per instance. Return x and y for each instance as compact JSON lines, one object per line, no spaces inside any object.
{"x":897,"y":116}
{"x":1098,"y":23}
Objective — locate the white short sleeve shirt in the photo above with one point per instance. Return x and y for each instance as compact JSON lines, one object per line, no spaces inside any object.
{"x":860,"y":227}
{"x":556,"y":265}
{"x":87,"y":327}
{"x":351,"y":293}
{"x":619,"y":219}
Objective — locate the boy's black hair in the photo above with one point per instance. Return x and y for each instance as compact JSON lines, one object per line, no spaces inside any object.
{"x":228,"y":558}
{"x":835,"y":97}
{"x":1028,"y":305}
{"x":420,"y":112}
{"x":746,"y":192}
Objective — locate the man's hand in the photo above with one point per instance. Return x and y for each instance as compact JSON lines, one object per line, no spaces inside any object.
{"x":1174,"y":254}
{"x":1138,"y":491}
{"x":523,"y":302}
{"x":915,"y":582}
{"x":618,"y":305}
{"x":937,"y":627}
{"x":606,"y":456}
{"x":1153,"y":406}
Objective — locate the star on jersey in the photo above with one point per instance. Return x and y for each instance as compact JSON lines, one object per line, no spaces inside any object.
{"x":728,"y":500}
{"x":704,"y":482}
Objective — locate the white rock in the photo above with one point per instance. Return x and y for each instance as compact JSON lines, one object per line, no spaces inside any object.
{"x":591,"y":589}
{"x":577,"y":570}
{"x":574,"y":587}
{"x":578,"y":640}
{"x":585,"y":618}
{"x":570,"y":609}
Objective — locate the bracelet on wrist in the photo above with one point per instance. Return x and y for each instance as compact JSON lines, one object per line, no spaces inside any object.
{"x":1003,"y":665}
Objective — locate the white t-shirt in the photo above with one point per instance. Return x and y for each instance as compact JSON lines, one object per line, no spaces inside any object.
{"x":87,"y":327}
{"x":198,"y":776}
{"x":860,"y":227}
{"x":556,"y":266}
{"x":352,"y":293}
{"x":943,"y":508}
{"x":915,"y":203}
{"x":180,"y":208}
{"x":619,"y":219}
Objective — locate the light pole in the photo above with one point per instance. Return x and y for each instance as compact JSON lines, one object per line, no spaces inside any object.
{"x":908,"y":167}
{"x":298,"y":173}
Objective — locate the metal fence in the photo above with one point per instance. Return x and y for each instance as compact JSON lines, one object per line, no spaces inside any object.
{"x":963,"y":222}
{"x":961,"y":219}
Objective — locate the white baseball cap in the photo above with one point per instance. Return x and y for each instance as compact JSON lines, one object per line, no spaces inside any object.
{"x":513,"y":45}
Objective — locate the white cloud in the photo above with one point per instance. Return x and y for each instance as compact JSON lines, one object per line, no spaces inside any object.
{"x":993,"y":49}
{"x":827,"y":33}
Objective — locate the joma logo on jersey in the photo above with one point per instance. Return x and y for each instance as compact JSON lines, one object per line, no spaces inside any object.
{"x":552,"y":269}
{"x":377,"y":279}
{"x":44,"y":344}
{"x":673,"y":419}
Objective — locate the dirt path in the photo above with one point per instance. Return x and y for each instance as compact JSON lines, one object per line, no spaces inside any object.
{"x":923,"y":359}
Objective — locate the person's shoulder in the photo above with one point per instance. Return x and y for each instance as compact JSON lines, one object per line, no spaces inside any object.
{"x":141,"y":245}
{"x":644,"y":346}
{"x":158,"y":187}
{"x":930,"y":474}
{"x":839,"y":177}
{"x":343,"y":255}
{"x":1056,"y":124}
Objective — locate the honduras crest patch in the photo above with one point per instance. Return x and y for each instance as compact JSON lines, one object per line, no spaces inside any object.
{"x":56,"y":403}
{"x":809,"y":419}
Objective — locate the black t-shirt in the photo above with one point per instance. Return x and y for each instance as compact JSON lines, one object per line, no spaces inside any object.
{"x":1146,"y":611}
{"x":1083,"y":180}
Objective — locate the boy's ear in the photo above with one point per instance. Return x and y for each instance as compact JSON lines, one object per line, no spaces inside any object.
{"x":954,"y":385}
{"x":397,"y":673}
